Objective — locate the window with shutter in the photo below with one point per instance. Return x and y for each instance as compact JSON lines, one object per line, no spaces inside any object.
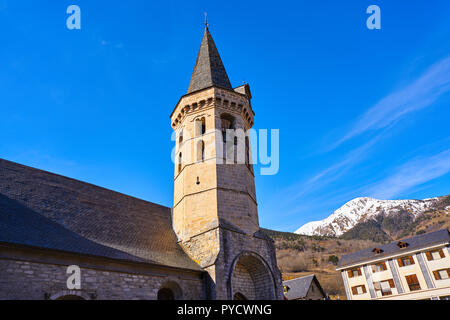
{"x":405,"y":261}
{"x":359,"y":290}
{"x":379,"y":267}
{"x":377,"y":285}
{"x":435,"y":255}
{"x":391,"y":283}
{"x":356,"y":272}
{"x":413,"y":282}
{"x":442,"y":274}
{"x":436,"y":274}
{"x":385,"y":288}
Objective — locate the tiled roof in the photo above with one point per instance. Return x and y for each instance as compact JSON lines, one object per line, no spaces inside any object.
{"x":298,"y":288}
{"x":392,"y":248}
{"x":46,"y":210}
{"x":209,"y":70}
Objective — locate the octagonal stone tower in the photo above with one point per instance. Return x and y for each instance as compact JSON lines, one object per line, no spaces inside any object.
{"x":215,"y":213}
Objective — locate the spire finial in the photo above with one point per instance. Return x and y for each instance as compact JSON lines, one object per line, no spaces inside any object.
{"x":206,"y":20}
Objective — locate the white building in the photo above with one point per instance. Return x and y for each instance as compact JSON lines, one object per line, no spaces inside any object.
{"x":417,"y":268}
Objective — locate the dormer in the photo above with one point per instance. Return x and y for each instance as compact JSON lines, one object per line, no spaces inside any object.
{"x":402,"y":245}
{"x":377,"y":251}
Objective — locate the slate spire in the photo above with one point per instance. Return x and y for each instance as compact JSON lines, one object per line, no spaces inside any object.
{"x":209,"y":70}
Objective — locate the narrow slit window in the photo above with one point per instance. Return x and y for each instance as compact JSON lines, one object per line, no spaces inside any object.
{"x":180,"y":161}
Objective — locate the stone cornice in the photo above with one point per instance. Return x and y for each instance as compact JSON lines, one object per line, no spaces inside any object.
{"x":218,"y":97}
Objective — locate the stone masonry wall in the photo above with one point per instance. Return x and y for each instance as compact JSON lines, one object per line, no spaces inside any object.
{"x":31,"y":281}
{"x":243,"y":282}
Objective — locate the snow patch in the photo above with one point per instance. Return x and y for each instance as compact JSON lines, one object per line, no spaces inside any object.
{"x":360,"y":210}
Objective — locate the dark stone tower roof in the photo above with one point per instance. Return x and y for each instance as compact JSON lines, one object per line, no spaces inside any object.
{"x":209,"y":70}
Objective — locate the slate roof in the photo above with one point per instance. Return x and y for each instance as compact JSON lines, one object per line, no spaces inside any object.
{"x":413,"y":243}
{"x":46,"y":210}
{"x":209,"y":70}
{"x":298,"y":288}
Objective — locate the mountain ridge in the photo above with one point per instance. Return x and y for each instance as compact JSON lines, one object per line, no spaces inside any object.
{"x":388,"y":219}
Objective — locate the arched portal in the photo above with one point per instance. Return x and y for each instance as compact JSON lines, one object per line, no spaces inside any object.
{"x":239,"y":296}
{"x":166,"y":294}
{"x":170,"y":291}
{"x":69,"y":297}
{"x":251,"y":278}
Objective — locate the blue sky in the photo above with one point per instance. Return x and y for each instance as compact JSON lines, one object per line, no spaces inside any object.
{"x":360,"y":112}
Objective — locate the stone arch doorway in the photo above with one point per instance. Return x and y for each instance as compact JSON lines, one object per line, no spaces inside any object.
{"x":70,"y":295}
{"x":166,"y":294}
{"x":239,"y":296}
{"x":170,"y":291}
{"x":70,"y":298}
{"x":251,"y":278}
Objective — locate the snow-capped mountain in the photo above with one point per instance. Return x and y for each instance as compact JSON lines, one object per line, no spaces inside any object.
{"x":363,"y":209}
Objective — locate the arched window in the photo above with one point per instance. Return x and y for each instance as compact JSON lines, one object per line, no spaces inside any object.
{"x":235,"y":149}
{"x":201,"y":150}
{"x":200,"y":126}
{"x":180,"y":161}
{"x":203,"y":131}
{"x":180,"y":137}
{"x":227,"y":122}
{"x":247,"y":151}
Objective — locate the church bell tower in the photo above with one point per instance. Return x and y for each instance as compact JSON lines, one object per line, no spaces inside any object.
{"x":215,"y":213}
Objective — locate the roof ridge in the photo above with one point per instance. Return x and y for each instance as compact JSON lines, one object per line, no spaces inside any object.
{"x":309,"y":276}
{"x":79,"y":181}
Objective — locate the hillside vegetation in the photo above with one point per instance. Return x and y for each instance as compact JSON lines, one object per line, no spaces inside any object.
{"x":300,"y":255}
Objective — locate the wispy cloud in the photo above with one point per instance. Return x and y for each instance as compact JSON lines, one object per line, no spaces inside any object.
{"x":432,"y":84}
{"x":384,"y":115}
{"x":336,"y":170}
{"x":412,"y":174}
{"x":425,"y":90}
